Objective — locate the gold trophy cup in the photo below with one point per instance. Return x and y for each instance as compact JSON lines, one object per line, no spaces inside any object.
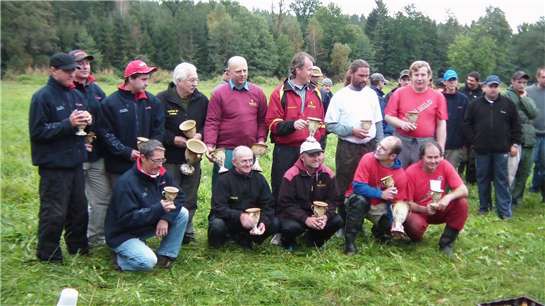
{"x":140,"y":141}
{"x":319,"y":208}
{"x":259,"y":149}
{"x":400,"y":212}
{"x":366,"y":124}
{"x":81,"y":127}
{"x":387,"y":182}
{"x":412,"y":116}
{"x":193,"y":154}
{"x":254,"y":213}
{"x":170,"y":193}
{"x":435,"y":192}
{"x":189,"y":128}
{"x":218,"y":157}
{"x":313,"y":125}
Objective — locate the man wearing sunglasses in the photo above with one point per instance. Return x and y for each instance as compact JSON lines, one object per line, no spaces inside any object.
{"x":493,"y":127}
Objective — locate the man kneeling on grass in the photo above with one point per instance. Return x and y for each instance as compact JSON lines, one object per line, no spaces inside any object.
{"x":306,"y":189}
{"x":429,"y":180}
{"x":242,"y":204}
{"x":137,"y":212}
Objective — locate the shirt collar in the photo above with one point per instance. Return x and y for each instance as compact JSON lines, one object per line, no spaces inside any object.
{"x":297,"y":87}
{"x":239,"y":88}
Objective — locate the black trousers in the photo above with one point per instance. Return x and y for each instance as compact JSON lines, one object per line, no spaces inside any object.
{"x":283,"y":158}
{"x":62,"y":206}
{"x":221,"y":230}
{"x":290,"y":229}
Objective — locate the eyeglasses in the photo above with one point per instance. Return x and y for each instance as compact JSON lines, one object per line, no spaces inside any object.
{"x":193,"y":80}
{"x":158,"y":161}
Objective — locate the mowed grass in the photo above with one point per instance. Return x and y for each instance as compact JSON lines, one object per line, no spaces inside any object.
{"x":494,"y":259}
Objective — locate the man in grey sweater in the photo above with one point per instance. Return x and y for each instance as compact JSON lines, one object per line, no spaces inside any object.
{"x":537,"y":93}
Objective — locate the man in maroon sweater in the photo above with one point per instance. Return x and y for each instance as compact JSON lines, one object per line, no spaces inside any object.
{"x":236,"y":113}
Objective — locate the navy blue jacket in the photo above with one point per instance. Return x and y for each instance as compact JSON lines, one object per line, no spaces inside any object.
{"x":456,"y":106}
{"x":53,"y":142}
{"x":94,"y":96}
{"x":135,"y":207}
{"x":123,"y":120}
{"x":175,"y":113}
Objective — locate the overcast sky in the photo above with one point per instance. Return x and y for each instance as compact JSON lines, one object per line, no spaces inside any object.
{"x":516,"y":11}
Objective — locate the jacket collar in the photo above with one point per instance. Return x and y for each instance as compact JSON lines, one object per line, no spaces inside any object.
{"x":51,"y":81}
{"x":304,"y":171}
{"x":140,"y":171}
{"x":141,"y":95}
{"x":173,"y":97}
{"x":90,"y":80}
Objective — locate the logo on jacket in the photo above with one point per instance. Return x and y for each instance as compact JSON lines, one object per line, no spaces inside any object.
{"x":98,"y":98}
{"x":60,"y":108}
{"x":252,"y":103}
{"x":148,"y":107}
{"x":172,"y":112}
{"x":123,"y":110}
{"x":311,"y":104}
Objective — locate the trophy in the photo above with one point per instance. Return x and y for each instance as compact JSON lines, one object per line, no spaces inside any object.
{"x":387,"y":182}
{"x":399,"y":214}
{"x":170,"y":193}
{"x":254,"y":213}
{"x":366,"y":125}
{"x":319,"y":208}
{"x":259,"y":149}
{"x":193,"y":154}
{"x":218,"y":157}
{"x":81,"y":127}
{"x":435,"y":192}
{"x":412,"y":116}
{"x":189,"y":128}
{"x":140,"y":141}
{"x":313,"y":125}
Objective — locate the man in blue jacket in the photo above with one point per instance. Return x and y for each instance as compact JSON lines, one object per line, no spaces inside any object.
{"x":55,"y":113}
{"x":137,"y":211}
{"x":128,"y":113}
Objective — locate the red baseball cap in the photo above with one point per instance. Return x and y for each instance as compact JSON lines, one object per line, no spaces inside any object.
{"x":138,"y":66}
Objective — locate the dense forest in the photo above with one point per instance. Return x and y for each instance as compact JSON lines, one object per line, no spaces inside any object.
{"x":207,"y":33}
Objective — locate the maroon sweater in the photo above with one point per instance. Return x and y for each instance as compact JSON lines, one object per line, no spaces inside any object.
{"x":236,"y":117}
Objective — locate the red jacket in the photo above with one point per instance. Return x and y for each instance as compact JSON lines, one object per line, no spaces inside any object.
{"x":280,"y":118}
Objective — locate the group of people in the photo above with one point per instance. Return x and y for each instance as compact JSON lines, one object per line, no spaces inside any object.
{"x":112,"y":167}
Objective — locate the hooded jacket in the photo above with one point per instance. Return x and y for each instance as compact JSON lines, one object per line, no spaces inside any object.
{"x":527,"y":111}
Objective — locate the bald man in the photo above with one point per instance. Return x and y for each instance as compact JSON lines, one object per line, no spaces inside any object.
{"x":236,"y":113}
{"x":234,"y":192}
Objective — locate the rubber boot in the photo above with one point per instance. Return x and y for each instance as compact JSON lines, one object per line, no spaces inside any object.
{"x":446,"y":242}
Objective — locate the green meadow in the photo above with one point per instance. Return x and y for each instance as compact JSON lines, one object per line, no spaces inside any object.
{"x":493,"y":259}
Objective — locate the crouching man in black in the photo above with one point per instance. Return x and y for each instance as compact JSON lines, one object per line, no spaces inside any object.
{"x":306,"y":182}
{"x":137,"y":212}
{"x":236,"y":191}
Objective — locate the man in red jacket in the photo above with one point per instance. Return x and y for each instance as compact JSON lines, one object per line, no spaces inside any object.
{"x":307,"y":181}
{"x":290,"y":106}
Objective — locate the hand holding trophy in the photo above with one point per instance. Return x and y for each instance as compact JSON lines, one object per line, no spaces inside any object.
{"x":85,"y":120}
{"x":217,"y":156}
{"x":259,"y":149}
{"x":189,"y":128}
{"x":193,"y":154}
{"x":255,"y":214}
{"x":313,"y":126}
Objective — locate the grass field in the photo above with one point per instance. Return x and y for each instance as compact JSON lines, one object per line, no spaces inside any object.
{"x":494,"y":259}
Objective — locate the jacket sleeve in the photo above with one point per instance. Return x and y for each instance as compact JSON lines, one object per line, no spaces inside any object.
{"x":113,"y":144}
{"x":266,"y":201}
{"x":158,"y":121}
{"x":288,"y":201}
{"x":529,"y":107}
{"x":332,"y":198}
{"x":366,"y":190}
{"x":262,"y":112}
{"x":129,"y":213}
{"x":220,"y":200}
{"x":179,"y":202}
{"x":275,"y":116}
{"x":213,"y":118}
{"x":468,"y":123}
{"x":516,"y":128}
{"x":40,"y":127}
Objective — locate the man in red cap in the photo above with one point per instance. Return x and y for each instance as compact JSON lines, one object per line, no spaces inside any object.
{"x":128,"y":113}
{"x":97,"y":187}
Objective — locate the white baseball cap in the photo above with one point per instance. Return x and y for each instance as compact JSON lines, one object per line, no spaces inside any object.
{"x":310,"y":146}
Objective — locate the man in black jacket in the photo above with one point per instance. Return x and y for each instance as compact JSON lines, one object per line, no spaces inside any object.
{"x":492,"y":126}
{"x":138,"y":212}
{"x":128,"y":113}
{"x":97,"y":185}
{"x":307,"y":181}
{"x":234,"y":192}
{"x":56,"y":111}
{"x":182,"y":101}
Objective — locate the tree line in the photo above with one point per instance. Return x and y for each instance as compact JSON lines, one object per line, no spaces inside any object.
{"x":164,"y":33}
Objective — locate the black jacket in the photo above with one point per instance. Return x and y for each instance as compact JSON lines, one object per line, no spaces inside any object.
{"x":135,"y":207}
{"x":53,"y":142}
{"x":299,"y":189}
{"x":123,"y":119}
{"x":456,"y":106}
{"x":472,"y":95}
{"x":492,"y":127}
{"x":93,"y":95}
{"x":235,"y":192}
{"x":176,"y":113}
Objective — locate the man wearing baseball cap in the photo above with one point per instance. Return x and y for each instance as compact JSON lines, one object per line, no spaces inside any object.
{"x":492,"y":126}
{"x":315,"y":76}
{"x":97,"y":187}
{"x":306,"y":182}
{"x":377,"y":84}
{"x":455,"y":146}
{"x":56,"y":111}
{"x":128,"y":113}
{"x":527,"y":111}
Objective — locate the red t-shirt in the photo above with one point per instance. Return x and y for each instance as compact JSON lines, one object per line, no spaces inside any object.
{"x":419,"y":180}
{"x":430,"y":105}
{"x":370,"y":171}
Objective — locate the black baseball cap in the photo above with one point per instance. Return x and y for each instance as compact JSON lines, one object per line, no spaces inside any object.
{"x":62,"y":61}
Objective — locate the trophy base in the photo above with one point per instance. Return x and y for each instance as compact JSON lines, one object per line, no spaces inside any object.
{"x":398,"y":233}
{"x":187,"y":169}
{"x":223,"y":170}
{"x":81,"y":133}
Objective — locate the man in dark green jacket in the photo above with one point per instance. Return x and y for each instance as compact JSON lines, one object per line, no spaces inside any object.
{"x":527,"y":113}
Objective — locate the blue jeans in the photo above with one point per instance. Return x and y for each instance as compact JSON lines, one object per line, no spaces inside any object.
{"x":538,"y":180}
{"x":135,"y":255}
{"x":493,"y":167}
